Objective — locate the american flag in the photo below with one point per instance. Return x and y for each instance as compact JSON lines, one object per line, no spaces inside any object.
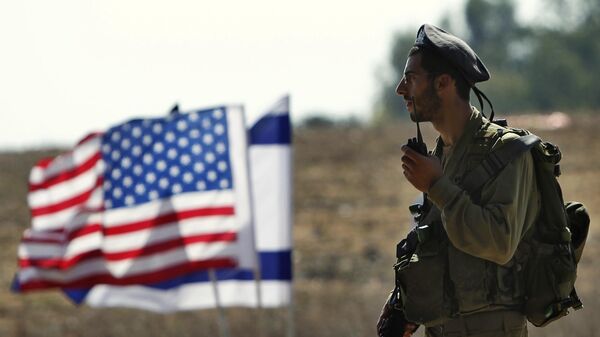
{"x":146,"y":201}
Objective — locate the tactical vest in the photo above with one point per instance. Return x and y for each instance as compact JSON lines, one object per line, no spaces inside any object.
{"x":441,"y":282}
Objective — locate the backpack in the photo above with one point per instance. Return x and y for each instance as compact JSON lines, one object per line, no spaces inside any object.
{"x":552,"y":248}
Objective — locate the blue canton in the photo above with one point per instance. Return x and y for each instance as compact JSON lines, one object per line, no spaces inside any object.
{"x":152,"y":159}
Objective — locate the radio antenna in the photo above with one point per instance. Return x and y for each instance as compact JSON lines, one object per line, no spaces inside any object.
{"x":419,"y":135}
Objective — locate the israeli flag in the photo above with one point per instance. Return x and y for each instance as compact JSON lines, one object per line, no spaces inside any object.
{"x":271,"y":177}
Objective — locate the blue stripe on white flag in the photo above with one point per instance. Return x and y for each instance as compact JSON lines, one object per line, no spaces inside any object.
{"x":276,"y":265}
{"x":274,"y":127}
{"x":271,"y":130}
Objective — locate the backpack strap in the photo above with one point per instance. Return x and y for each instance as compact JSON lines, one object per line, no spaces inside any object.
{"x":496,"y":161}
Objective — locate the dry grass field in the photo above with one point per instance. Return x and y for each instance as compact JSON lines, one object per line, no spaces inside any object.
{"x":350,"y":209}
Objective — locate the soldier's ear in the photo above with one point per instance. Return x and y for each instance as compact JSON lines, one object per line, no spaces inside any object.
{"x":443,"y":83}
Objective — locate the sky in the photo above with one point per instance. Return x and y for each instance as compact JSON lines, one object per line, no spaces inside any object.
{"x":70,"y":67}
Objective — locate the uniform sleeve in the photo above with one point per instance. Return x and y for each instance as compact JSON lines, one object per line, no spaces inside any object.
{"x":492,"y":229}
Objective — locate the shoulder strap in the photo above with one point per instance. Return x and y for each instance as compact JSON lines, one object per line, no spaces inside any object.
{"x":496,"y":161}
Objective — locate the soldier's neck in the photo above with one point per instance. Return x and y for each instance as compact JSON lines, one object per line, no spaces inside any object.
{"x":451,"y":121}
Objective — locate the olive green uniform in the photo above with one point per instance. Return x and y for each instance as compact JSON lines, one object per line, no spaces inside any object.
{"x":482,"y":235}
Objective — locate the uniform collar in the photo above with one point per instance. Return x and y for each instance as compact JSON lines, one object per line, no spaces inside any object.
{"x":459,"y":149}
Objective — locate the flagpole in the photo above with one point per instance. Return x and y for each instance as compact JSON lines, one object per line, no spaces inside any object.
{"x":257,"y":279}
{"x":290,"y":326}
{"x":257,"y":266}
{"x":222,"y":321}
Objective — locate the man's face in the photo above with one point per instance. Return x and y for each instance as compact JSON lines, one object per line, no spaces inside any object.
{"x":416,"y":84}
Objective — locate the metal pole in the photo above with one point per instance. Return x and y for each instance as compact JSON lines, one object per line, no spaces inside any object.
{"x":222,"y":320}
{"x":291,"y":330}
{"x":260,"y":322}
{"x":257,"y":266}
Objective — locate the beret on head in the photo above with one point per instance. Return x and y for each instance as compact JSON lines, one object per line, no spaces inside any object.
{"x":455,"y":50}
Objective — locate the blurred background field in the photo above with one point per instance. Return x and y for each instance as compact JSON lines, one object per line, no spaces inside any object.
{"x":350,"y":209}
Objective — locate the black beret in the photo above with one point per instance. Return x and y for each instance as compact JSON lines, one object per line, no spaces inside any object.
{"x":455,"y":50}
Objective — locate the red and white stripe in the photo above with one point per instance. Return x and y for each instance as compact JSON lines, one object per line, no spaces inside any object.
{"x":73,"y":242}
{"x":60,"y":188}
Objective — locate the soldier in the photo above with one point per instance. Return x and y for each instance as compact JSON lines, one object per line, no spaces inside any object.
{"x":463,"y":279}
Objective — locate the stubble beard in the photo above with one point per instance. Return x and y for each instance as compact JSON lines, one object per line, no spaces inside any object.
{"x":429,"y":104}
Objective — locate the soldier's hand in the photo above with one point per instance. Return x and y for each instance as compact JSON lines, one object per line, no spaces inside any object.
{"x":421,"y":171}
{"x":400,"y":325}
{"x":385,"y":314}
{"x":409,"y":329}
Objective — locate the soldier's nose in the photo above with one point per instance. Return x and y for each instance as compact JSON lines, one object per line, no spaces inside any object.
{"x":401,"y":88}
